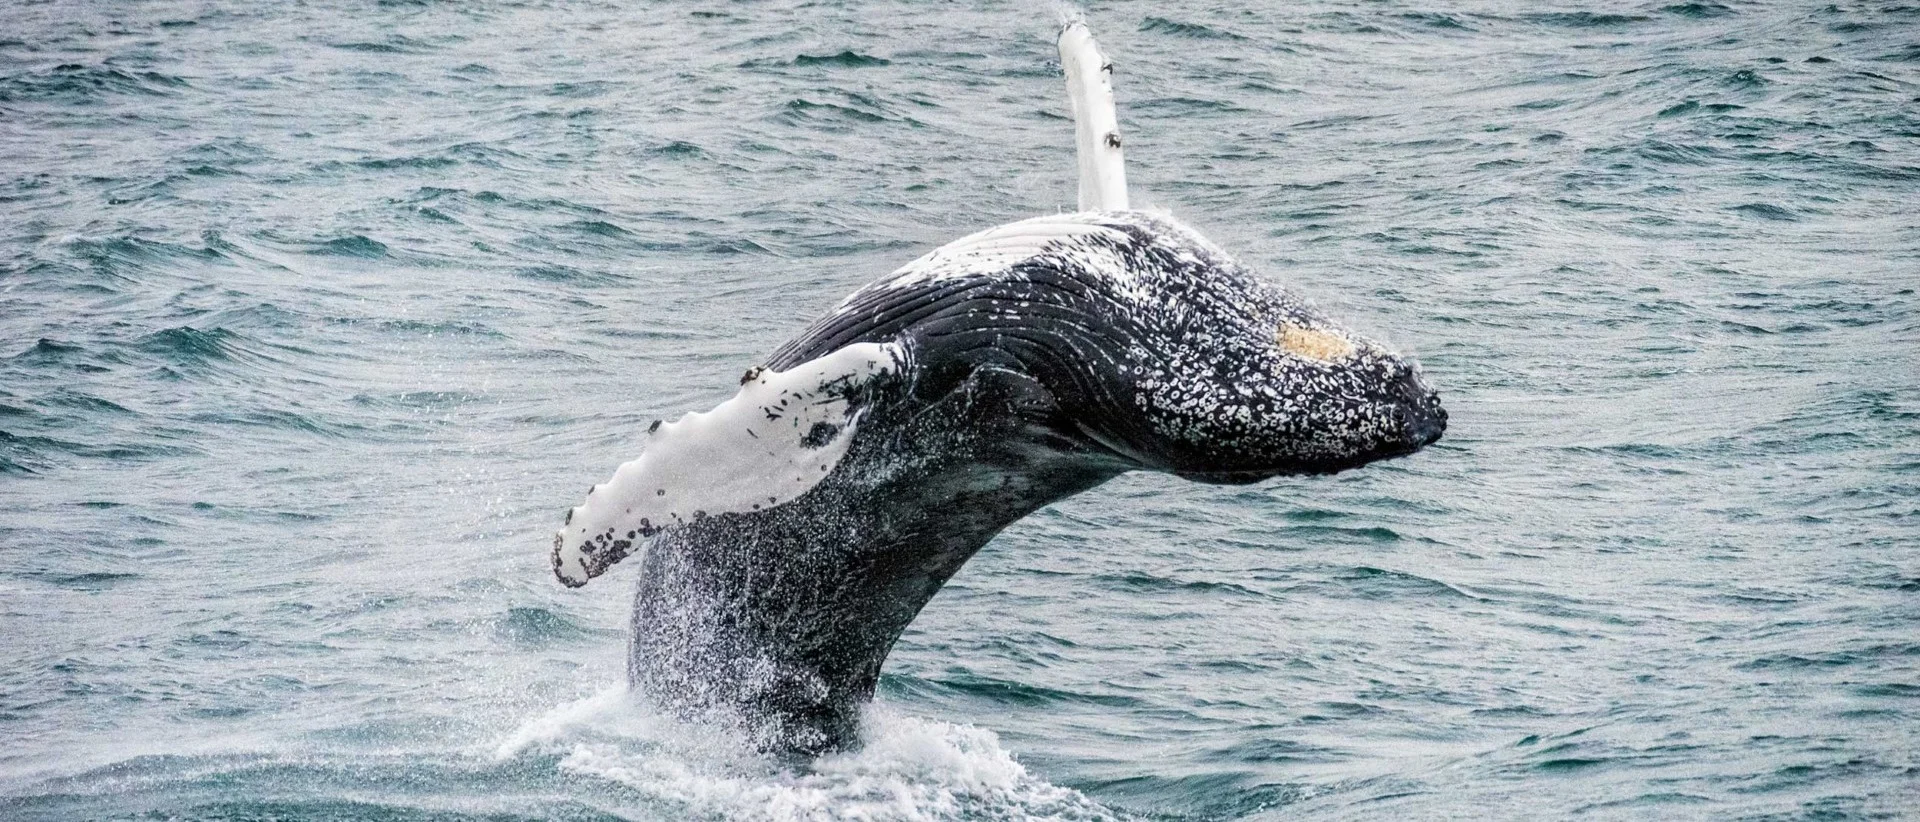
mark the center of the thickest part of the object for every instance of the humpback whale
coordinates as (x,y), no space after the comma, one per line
(786,538)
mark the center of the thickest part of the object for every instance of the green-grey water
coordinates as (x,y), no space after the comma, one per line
(314,318)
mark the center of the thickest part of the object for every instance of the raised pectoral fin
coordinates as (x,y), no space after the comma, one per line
(771,443)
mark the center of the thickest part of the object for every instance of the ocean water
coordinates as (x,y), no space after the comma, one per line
(315,317)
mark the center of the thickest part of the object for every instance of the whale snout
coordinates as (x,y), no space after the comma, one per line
(1422,418)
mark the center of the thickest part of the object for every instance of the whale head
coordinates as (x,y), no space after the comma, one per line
(1139,342)
(1235,379)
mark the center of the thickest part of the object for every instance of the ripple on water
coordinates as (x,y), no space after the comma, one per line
(79,84)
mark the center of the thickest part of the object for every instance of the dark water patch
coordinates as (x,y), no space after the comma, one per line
(434,214)
(1568,763)
(191,346)
(555,273)
(259,315)
(1150,582)
(393,44)
(1891,581)
(1646,802)
(846,58)
(1663,151)
(678,149)
(1379,583)
(1315,515)
(939,55)
(581,90)
(48,352)
(352,245)
(1585,19)
(859,110)
(31,454)
(418,162)
(485,154)
(1268,749)
(1436,20)
(210,171)
(1007,692)
(226,151)
(275,419)
(123,256)
(1376,535)
(428,328)
(73,83)
(1853,769)
(1678,109)
(85,404)
(1698,11)
(1897,690)
(1765,211)
(1335,711)
(1185,106)
(1512,711)
(1834,659)
(598,228)
(84,581)
(1197,31)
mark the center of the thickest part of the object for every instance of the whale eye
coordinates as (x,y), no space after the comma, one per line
(1312,343)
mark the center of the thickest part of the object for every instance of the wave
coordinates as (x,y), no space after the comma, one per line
(77,83)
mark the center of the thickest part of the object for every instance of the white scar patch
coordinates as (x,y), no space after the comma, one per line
(772,442)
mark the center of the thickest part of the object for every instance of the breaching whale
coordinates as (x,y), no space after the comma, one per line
(787,537)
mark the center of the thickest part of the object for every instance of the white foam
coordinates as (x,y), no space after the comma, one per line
(908,769)
(753,452)
(567,719)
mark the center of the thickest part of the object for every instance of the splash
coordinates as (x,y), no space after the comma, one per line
(907,769)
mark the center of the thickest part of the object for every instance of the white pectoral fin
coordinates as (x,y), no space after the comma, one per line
(1096,125)
(771,443)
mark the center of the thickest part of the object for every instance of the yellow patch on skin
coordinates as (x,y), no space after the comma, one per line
(1312,344)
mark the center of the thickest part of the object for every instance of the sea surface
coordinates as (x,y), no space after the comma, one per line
(315,317)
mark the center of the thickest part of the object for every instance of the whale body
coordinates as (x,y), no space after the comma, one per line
(788,537)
